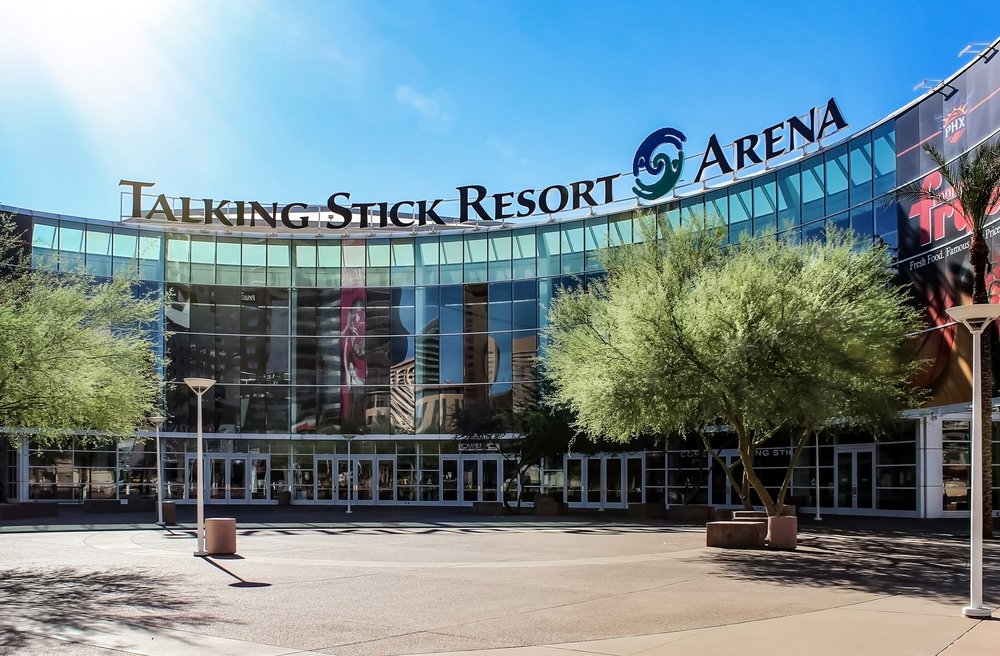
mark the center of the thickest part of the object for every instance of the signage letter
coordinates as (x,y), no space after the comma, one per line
(136,196)
(609,195)
(256,208)
(498,200)
(216,212)
(429,213)
(745,150)
(808,133)
(717,157)
(831,116)
(583,193)
(340,210)
(543,199)
(525,200)
(771,142)
(186,211)
(287,221)
(394,214)
(363,211)
(463,194)
(161,202)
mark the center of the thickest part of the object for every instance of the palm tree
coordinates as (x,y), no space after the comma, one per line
(974,179)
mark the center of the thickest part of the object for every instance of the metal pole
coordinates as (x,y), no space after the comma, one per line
(201,488)
(975,607)
(350,477)
(817,518)
(159,480)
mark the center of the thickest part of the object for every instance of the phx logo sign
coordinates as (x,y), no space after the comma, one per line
(659,164)
(953,122)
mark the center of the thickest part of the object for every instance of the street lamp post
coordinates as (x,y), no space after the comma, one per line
(976,318)
(157,421)
(199,386)
(350,471)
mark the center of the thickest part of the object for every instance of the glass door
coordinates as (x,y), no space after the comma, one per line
(722,490)
(574,481)
(227,479)
(325,480)
(364,480)
(613,496)
(855,478)
(470,480)
(344,481)
(192,479)
(386,480)
(490,479)
(449,480)
(259,474)
(237,479)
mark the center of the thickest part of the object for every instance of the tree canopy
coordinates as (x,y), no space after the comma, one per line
(689,335)
(77,355)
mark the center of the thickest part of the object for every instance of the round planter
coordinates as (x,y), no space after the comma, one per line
(782,532)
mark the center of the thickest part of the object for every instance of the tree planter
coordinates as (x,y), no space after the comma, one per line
(782,532)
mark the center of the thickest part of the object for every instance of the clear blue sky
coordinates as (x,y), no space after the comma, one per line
(292,101)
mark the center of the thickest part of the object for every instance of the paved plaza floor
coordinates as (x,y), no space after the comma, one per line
(407,581)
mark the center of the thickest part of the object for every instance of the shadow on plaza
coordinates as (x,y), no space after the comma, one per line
(65,601)
(927,566)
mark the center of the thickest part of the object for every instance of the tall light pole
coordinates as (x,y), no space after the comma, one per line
(199,386)
(976,318)
(350,470)
(157,421)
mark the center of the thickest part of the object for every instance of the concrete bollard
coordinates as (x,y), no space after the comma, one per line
(220,536)
(169,513)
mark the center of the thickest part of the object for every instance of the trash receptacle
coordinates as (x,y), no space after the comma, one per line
(169,513)
(285,498)
(220,535)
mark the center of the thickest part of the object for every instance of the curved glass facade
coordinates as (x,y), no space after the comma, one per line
(312,336)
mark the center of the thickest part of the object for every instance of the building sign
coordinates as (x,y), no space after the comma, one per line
(747,150)
(655,157)
(478,447)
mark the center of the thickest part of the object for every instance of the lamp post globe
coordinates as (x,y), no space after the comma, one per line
(157,421)
(199,386)
(976,318)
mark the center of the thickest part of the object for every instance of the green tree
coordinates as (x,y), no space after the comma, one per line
(689,335)
(77,356)
(974,181)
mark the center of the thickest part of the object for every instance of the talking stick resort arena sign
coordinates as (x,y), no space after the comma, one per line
(652,160)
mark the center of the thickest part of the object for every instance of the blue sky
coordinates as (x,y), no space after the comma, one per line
(292,101)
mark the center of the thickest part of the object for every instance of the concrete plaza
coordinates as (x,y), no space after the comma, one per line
(401,581)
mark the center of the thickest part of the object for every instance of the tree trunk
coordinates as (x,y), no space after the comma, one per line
(979,256)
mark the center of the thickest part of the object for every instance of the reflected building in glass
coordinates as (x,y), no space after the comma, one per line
(386,333)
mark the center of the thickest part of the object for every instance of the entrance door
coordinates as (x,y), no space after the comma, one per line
(723,493)
(227,479)
(480,479)
(326,480)
(596,482)
(260,473)
(855,478)
(449,480)
(386,480)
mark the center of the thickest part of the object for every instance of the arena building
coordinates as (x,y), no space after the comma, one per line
(382,318)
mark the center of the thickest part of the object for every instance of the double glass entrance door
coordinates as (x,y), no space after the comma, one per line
(363,480)
(596,482)
(230,478)
(855,478)
(467,479)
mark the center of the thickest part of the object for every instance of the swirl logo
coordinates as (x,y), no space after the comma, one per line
(668,170)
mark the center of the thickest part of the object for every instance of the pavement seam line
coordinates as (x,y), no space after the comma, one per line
(955,641)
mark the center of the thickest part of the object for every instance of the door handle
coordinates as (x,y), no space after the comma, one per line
(854,490)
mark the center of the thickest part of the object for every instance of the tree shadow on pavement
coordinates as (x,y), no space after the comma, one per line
(47,602)
(930,567)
